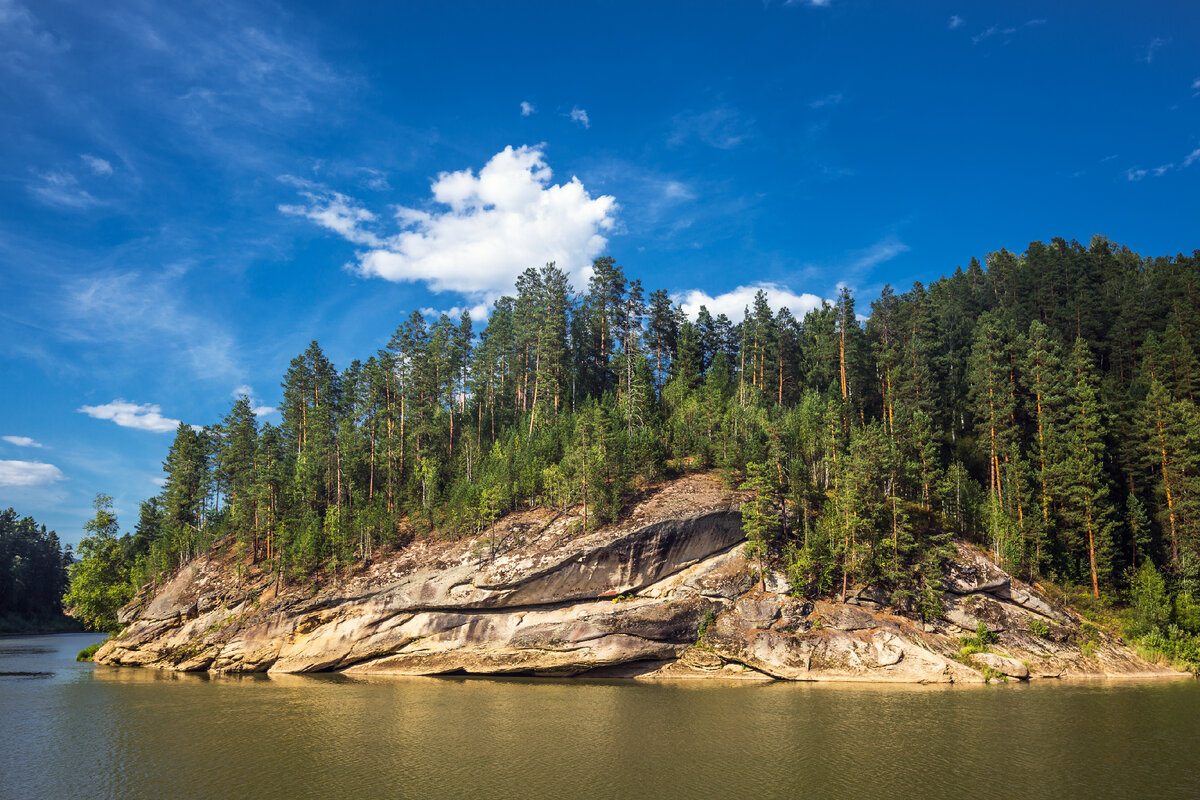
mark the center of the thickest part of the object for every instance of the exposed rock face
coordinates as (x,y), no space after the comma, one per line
(629,600)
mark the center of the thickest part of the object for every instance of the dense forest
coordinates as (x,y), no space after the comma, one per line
(33,576)
(1044,404)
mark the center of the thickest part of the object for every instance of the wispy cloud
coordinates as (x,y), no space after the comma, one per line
(1138,173)
(22,441)
(828,100)
(997,30)
(1156,44)
(147,312)
(955,22)
(722,127)
(61,190)
(333,210)
(144,417)
(1196,88)
(876,254)
(580,116)
(98,166)
(375,179)
(24,36)
(29,473)
(527,108)
(477,231)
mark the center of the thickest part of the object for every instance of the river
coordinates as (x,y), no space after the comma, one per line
(81,731)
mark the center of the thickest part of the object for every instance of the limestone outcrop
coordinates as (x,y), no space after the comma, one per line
(666,593)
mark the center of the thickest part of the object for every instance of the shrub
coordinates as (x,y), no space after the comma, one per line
(1039,628)
(709,619)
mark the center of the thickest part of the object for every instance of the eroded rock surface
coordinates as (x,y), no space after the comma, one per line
(629,600)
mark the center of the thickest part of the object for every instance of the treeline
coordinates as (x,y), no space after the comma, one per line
(1043,403)
(33,575)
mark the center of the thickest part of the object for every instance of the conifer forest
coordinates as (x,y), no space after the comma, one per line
(1043,404)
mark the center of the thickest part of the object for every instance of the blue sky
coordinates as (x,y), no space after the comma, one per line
(191,192)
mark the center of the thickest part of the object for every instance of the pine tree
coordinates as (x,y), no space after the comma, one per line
(760,521)
(1086,509)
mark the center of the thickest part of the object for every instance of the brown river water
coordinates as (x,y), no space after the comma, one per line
(71,730)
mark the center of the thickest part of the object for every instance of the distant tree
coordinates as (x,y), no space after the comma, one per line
(100,577)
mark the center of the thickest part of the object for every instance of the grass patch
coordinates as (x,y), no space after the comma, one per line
(88,652)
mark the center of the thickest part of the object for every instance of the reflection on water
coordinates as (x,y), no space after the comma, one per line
(88,731)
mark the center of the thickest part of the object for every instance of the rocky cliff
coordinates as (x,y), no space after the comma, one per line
(627,600)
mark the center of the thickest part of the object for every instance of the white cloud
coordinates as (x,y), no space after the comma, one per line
(492,226)
(733,303)
(527,108)
(1192,157)
(21,441)
(956,22)
(333,210)
(29,473)
(1159,170)
(1135,174)
(97,165)
(581,116)
(145,417)
(256,406)
(61,190)
(479,312)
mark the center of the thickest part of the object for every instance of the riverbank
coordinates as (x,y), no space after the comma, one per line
(21,626)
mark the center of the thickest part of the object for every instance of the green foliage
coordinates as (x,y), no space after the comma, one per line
(992,674)
(33,574)
(86,653)
(979,643)
(1039,628)
(100,577)
(705,624)
(1150,605)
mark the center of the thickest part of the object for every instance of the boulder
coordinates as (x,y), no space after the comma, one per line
(1006,666)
